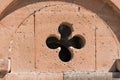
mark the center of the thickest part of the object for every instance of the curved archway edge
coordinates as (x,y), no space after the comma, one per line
(105,9)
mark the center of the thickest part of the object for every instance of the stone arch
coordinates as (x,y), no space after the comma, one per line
(104,10)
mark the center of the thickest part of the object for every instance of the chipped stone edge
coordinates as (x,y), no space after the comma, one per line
(4,67)
(111,3)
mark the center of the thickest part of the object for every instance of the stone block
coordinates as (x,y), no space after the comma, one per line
(47,25)
(50,76)
(22,47)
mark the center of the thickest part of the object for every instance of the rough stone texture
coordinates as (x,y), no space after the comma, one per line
(33,76)
(90,76)
(21,76)
(118,64)
(4,4)
(8,28)
(18,32)
(4,42)
(116,3)
(22,47)
(4,67)
(50,76)
(25,26)
(106,47)
(49,26)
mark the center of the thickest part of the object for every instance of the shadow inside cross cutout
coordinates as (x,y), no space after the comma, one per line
(64,43)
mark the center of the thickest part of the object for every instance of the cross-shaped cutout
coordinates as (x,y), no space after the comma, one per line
(64,43)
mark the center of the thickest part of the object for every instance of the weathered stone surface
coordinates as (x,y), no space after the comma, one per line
(118,64)
(91,76)
(4,67)
(4,4)
(21,76)
(14,20)
(33,76)
(4,41)
(47,25)
(25,26)
(22,47)
(50,76)
(106,48)
(116,3)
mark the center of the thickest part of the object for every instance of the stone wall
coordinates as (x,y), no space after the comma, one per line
(59,39)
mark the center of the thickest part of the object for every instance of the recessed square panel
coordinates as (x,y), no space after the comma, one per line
(71,42)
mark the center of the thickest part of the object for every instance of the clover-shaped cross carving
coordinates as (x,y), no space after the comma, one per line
(64,43)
